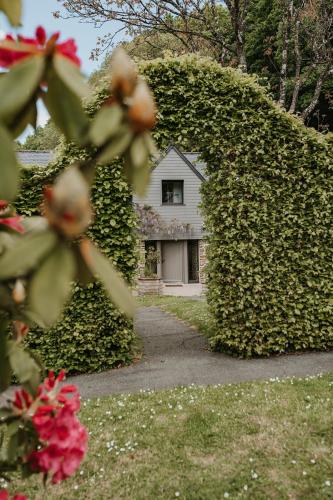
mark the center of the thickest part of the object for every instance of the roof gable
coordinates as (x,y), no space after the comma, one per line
(183,158)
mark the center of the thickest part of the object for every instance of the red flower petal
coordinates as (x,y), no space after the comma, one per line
(41,35)
(68,388)
(13,223)
(68,49)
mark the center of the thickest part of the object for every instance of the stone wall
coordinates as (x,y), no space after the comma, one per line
(141,260)
(150,286)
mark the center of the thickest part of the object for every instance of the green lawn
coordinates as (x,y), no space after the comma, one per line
(193,312)
(254,440)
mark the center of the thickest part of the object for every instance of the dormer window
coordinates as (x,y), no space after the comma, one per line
(172,192)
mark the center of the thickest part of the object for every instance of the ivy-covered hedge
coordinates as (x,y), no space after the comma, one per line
(268,213)
(267,205)
(92,335)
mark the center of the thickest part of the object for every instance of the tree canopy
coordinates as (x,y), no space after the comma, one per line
(288,43)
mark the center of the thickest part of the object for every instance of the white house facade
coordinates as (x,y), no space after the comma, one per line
(174,194)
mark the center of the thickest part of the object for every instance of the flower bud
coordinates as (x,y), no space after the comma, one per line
(18,292)
(21,329)
(4,208)
(142,110)
(67,204)
(124,73)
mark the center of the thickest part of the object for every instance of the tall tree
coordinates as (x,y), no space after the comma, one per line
(290,43)
(191,22)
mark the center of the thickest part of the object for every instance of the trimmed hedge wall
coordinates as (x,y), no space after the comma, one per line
(267,206)
(268,213)
(92,335)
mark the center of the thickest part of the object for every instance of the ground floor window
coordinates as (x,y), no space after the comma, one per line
(193,261)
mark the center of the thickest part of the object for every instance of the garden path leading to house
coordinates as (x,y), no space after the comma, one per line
(176,354)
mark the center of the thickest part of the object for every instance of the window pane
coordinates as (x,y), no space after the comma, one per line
(172,192)
(167,193)
(178,192)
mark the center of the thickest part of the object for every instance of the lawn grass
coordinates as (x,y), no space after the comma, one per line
(252,440)
(193,312)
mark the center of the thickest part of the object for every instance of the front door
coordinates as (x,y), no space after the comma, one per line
(172,261)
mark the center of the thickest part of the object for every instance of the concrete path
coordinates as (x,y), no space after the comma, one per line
(175,354)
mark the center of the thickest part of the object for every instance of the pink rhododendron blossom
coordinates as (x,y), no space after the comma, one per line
(13,50)
(5,496)
(62,437)
(7,218)
(13,223)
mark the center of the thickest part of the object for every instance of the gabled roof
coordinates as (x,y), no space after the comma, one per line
(196,167)
(41,158)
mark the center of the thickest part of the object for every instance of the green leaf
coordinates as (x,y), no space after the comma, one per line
(25,367)
(50,286)
(83,273)
(65,109)
(13,10)
(119,144)
(140,179)
(28,251)
(105,124)
(139,153)
(112,281)
(29,72)
(150,144)
(9,172)
(13,449)
(70,74)
(138,169)
(28,116)
(5,373)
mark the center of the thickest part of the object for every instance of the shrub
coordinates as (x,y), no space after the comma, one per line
(267,206)
(92,335)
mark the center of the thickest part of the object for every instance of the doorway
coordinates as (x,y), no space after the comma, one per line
(173,261)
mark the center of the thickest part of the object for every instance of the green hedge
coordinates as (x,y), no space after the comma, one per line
(267,205)
(92,335)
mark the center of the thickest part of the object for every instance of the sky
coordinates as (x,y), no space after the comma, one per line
(39,12)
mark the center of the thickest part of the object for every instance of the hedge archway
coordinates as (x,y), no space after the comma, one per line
(267,206)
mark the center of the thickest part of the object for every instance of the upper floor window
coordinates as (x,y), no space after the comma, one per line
(172,192)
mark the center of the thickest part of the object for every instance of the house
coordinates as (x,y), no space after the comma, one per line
(174,194)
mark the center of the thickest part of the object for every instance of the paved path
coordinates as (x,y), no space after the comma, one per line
(175,354)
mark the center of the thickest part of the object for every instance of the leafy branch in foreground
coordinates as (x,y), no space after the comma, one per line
(40,257)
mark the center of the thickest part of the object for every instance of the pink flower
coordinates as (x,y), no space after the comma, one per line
(5,496)
(13,50)
(22,400)
(62,437)
(7,219)
(13,223)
